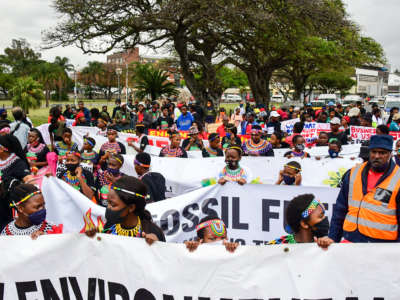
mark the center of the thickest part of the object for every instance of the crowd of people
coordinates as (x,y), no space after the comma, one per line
(366,208)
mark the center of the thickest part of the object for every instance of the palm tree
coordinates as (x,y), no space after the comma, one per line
(152,81)
(48,74)
(90,76)
(27,93)
(66,66)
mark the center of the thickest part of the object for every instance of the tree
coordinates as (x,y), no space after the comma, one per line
(90,75)
(27,93)
(152,82)
(62,83)
(232,78)
(108,80)
(48,75)
(20,58)
(330,82)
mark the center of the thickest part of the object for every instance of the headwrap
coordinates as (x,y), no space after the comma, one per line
(25,198)
(309,210)
(216,226)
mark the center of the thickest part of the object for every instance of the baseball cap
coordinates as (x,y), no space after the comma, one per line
(335,121)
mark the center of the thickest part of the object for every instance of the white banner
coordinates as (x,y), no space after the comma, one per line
(184,175)
(253,214)
(118,268)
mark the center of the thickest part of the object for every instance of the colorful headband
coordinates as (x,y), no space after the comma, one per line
(236,147)
(128,192)
(140,125)
(293,167)
(73,153)
(213,138)
(217,227)
(140,164)
(117,159)
(309,210)
(89,142)
(255,131)
(25,198)
(111,130)
(5,130)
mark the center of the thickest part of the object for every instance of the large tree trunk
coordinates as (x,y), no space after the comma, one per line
(259,85)
(47,97)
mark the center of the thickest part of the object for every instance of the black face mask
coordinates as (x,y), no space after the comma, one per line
(72,167)
(114,216)
(232,164)
(321,229)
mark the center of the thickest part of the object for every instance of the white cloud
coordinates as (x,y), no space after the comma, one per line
(28,18)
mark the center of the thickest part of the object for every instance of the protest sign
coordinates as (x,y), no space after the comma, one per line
(74,266)
(253,214)
(360,133)
(184,175)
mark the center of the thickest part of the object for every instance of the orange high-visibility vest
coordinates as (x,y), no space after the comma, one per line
(367,213)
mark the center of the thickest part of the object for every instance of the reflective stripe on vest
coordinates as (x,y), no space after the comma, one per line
(372,217)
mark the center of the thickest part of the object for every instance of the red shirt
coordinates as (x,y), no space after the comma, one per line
(60,118)
(140,117)
(373,179)
(221,131)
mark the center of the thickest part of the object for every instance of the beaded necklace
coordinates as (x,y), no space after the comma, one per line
(233,175)
(298,154)
(88,155)
(212,152)
(134,232)
(4,164)
(72,180)
(39,148)
(111,147)
(256,147)
(169,152)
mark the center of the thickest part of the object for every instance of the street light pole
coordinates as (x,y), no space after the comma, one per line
(119,72)
(75,88)
(126,84)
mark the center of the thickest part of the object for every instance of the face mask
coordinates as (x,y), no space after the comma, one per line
(114,172)
(241,105)
(288,180)
(114,216)
(71,167)
(37,217)
(321,229)
(300,147)
(232,164)
(333,154)
(228,135)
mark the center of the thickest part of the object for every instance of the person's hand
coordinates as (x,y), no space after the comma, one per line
(130,143)
(91,232)
(36,234)
(230,247)
(150,238)
(297,178)
(192,245)
(323,242)
(78,172)
(280,179)
(222,181)
(318,157)
(242,181)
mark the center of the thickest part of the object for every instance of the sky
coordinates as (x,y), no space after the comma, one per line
(28,18)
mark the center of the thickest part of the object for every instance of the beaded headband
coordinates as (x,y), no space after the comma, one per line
(217,227)
(237,148)
(73,153)
(111,130)
(309,210)
(117,159)
(293,167)
(213,138)
(140,125)
(25,199)
(128,192)
(255,131)
(89,142)
(140,164)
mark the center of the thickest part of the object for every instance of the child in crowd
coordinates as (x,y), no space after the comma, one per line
(322,139)
(291,174)
(143,141)
(335,146)
(108,176)
(210,230)
(62,147)
(214,148)
(174,149)
(90,158)
(102,126)
(307,221)
(298,148)
(232,171)
(154,181)
(36,150)
(111,147)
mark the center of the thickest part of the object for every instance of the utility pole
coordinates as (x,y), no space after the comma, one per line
(126,84)
(75,89)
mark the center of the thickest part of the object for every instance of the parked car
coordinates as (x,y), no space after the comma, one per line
(390,102)
(351,99)
(231,98)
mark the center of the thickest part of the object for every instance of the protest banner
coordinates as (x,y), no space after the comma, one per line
(185,175)
(287,126)
(311,129)
(253,214)
(71,266)
(360,133)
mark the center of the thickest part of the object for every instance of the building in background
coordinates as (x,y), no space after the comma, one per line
(372,81)
(124,57)
(394,84)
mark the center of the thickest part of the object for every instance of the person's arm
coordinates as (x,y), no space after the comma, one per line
(340,211)
(86,189)
(144,143)
(280,178)
(205,153)
(184,154)
(123,149)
